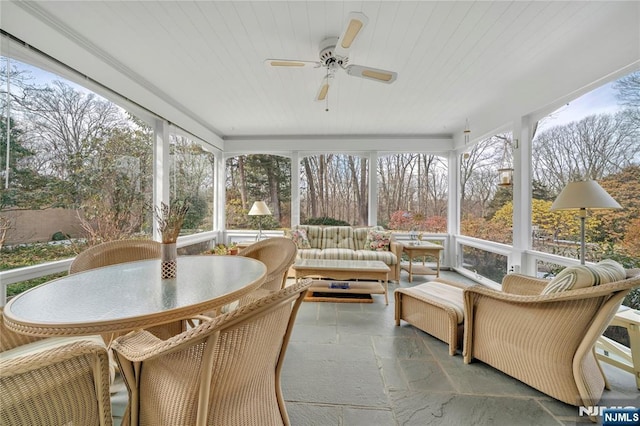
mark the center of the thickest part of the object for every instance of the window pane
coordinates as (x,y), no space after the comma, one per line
(334,190)
(413,192)
(487,207)
(258,177)
(484,263)
(593,137)
(74,151)
(192,180)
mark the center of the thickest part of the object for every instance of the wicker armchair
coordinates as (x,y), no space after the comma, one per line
(223,372)
(113,252)
(60,380)
(545,341)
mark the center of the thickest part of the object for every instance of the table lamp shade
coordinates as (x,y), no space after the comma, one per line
(259,208)
(584,195)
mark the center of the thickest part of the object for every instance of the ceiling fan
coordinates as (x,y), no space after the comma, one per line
(334,55)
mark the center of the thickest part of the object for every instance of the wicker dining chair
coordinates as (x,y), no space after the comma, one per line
(544,340)
(114,252)
(121,251)
(54,381)
(278,254)
(225,371)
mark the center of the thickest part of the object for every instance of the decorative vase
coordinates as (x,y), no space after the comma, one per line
(168,260)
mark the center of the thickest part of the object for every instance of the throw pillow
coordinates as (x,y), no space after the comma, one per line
(378,240)
(299,236)
(575,277)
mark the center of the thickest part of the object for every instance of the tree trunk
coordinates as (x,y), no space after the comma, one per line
(273,191)
(242,182)
(312,196)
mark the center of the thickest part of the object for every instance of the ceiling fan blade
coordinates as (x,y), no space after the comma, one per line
(383,76)
(323,90)
(355,23)
(291,63)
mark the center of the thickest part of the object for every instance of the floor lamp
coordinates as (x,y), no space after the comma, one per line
(259,208)
(581,196)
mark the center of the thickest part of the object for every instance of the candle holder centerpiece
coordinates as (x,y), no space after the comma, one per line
(170,219)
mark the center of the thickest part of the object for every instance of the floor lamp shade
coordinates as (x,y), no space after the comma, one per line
(259,208)
(581,196)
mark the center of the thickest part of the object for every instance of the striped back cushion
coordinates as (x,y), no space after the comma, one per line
(337,237)
(575,277)
(360,236)
(314,234)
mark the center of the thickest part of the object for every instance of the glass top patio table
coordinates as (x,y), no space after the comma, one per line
(132,295)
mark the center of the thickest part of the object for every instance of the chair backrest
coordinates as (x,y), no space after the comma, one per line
(113,252)
(224,371)
(60,380)
(278,254)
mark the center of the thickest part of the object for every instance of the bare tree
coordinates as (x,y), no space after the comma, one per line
(395,173)
(477,173)
(629,90)
(592,148)
(66,128)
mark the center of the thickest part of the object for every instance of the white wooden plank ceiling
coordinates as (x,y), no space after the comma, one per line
(487,61)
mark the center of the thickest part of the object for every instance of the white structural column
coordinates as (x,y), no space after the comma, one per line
(522,230)
(295,188)
(453,208)
(373,188)
(161,167)
(220,216)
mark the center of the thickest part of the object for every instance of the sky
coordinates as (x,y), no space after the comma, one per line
(598,101)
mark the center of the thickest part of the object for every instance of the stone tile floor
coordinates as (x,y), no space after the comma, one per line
(347,364)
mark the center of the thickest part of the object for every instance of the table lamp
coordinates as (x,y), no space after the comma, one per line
(259,208)
(581,196)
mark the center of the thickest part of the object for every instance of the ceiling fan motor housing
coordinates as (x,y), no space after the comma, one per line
(327,55)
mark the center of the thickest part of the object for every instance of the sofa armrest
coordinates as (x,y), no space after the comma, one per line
(396,248)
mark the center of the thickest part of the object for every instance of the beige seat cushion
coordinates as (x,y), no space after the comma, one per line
(443,294)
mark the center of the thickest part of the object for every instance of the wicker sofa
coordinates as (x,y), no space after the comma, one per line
(348,243)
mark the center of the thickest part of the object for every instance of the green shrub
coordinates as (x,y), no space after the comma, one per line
(326,221)
(59,236)
(17,288)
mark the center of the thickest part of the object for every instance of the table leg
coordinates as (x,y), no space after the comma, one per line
(386,292)
(410,269)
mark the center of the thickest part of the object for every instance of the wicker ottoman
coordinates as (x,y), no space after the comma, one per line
(436,307)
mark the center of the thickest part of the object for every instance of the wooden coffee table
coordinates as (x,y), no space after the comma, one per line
(421,249)
(346,270)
